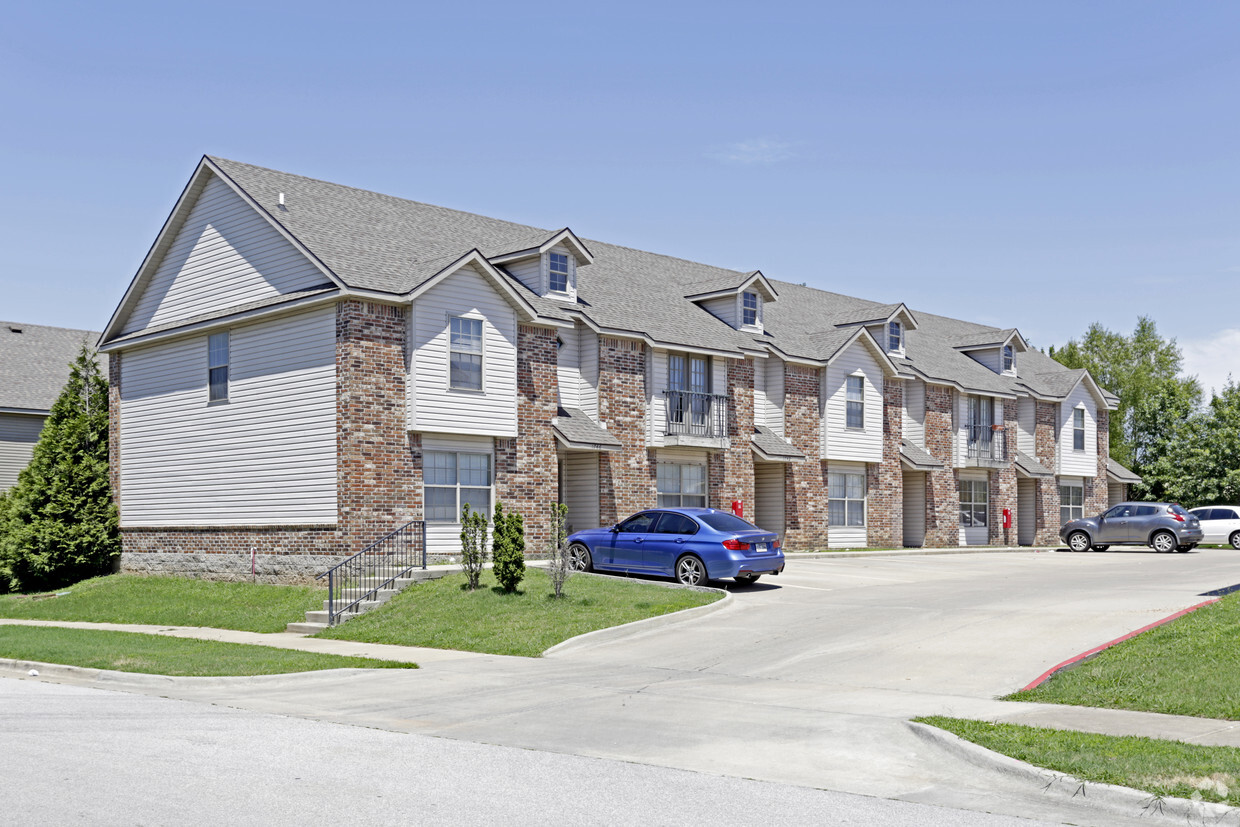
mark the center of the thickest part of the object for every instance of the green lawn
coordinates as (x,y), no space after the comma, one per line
(441,614)
(1190,666)
(158,655)
(1165,768)
(170,601)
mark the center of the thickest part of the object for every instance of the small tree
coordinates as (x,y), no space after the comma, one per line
(59,523)
(473,544)
(559,570)
(508,548)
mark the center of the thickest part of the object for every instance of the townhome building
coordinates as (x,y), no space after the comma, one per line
(300,367)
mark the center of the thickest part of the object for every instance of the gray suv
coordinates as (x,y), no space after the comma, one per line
(1162,526)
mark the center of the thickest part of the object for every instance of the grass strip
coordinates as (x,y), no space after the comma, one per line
(170,601)
(1163,768)
(443,614)
(159,655)
(1190,666)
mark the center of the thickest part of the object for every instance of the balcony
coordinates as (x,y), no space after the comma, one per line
(987,446)
(696,419)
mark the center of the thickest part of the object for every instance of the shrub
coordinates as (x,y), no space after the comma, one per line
(559,569)
(473,544)
(508,548)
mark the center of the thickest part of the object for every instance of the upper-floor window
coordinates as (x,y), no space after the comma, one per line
(749,309)
(465,353)
(855,402)
(686,372)
(217,367)
(557,266)
(1078,429)
(451,479)
(1009,359)
(895,337)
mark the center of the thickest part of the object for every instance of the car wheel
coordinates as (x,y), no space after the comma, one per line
(690,571)
(1163,542)
(746,579)
(1079,541)
(1234,539)
(1101,548)
(579,558)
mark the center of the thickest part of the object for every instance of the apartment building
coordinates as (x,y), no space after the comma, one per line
(299,367)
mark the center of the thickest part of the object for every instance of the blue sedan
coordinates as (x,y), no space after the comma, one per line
(692,545)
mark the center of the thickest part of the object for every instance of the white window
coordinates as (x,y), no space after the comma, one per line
(749,309)
(895,337)
(681,485)
(1071,501)
(451,479)
(465,353)
(557,267)
(855,402)
(1009,359)
(845,499)
(217,367)
(1078,429)
(974,500)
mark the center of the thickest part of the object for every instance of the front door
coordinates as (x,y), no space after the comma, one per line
(668,541)
(627,547)
(1115,525)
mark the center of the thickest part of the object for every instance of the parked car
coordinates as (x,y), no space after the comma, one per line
(692,545)
(1162,526)
(1219,523)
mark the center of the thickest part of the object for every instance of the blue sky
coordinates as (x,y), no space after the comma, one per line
(1041,166)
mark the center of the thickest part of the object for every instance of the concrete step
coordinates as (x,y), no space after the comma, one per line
(305,628)
(316,621)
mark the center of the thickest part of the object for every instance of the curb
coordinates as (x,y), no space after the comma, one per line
(1119,800)
(914,552)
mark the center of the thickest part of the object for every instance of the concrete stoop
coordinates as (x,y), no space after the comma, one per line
(316,620)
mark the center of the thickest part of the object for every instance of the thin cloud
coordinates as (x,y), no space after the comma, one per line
(761,151)
(1213,359)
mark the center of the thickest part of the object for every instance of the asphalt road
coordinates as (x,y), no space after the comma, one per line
(805,680)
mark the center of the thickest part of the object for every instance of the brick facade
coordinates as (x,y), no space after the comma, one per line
(1003,484)
(942,484)
(1047,492)
(805,483)
(730,471)
(1097,497)
(626,477)
(885,480)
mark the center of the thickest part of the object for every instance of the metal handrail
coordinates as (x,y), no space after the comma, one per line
(374,568)
(696,414)
(987,442)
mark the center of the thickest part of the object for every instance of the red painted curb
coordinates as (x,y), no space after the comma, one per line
(1070,661)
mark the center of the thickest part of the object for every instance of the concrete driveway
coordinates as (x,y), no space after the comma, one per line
(808,678)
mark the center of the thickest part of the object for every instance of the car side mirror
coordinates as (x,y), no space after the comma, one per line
(615,529)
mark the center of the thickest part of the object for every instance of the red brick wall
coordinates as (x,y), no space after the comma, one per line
(731,470)
(1096,496)
(626,476)
(942,487)
(1003,483)
(1045,422)
(885,480)
(805,483)
(526,469)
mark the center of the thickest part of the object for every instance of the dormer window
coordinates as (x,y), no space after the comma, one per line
(895,337)
(557,266)
(1009,359)
(749,309)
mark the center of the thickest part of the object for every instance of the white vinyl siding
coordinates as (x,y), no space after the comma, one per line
(436,407)
(656,402)
(913,502)
(588,350)
(445,537)
(990,357)
(568,367)
(1026,512)
(225,254)
(914,415)
(839,441)
(768,393)
(18,435)
(1072,462)
(268,457)
(528,272)
(769,496)
(1115,493)
(581,490)
(1026,426)
(723,308)
(974,509)
(846,505)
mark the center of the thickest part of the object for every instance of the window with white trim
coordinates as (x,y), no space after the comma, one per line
(452,478)
(217,367)
(1071,501)
(974,502)
(1009,359)
(854,402)
(749,309)
(895,337)
(845,499)
(465,353)
(1078,429)
(681,485)
(557,271)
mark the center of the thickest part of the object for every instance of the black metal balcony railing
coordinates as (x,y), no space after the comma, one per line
(696,414)
(987,443)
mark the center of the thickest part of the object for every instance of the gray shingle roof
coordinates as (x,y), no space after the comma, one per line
(34,363)
(1030,467)
(773,445)
(917,458)
(578,429)
(1119,473)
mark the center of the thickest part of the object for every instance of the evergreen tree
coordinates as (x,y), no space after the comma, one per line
(508,548)
(58,525)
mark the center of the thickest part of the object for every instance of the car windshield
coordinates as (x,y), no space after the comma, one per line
(722,521)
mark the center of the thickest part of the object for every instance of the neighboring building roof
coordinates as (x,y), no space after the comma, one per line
(34,363)
(1119,473)
(1030,467)
(916,458)
(576,430)
(771,445)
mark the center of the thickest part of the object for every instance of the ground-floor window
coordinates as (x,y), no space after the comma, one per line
(451,479)
(974,501)
(845,499)
(681,485)
(1071,501)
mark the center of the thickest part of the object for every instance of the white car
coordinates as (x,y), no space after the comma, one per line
(1219,523)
